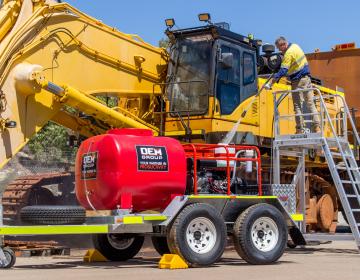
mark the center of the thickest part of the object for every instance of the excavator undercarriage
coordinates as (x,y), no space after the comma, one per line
(39,189)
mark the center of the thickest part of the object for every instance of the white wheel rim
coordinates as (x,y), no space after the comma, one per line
(7,259)
(201,235)
(264,234)
(120,243)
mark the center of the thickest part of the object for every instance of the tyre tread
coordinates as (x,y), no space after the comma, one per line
(53,215)
(160,244)
(102,244)
(239,231)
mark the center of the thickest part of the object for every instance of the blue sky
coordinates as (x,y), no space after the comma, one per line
(312,24)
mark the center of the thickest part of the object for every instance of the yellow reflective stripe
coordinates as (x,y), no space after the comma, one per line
(155,218)
(294,59)
(286,62)
(299,62)
(234,196)
(297,217)
(257,197)
(30,230)
(133,220)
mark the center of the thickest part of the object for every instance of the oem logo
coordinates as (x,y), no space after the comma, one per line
(152,158)
(89,159)
(89,166)
(150,151)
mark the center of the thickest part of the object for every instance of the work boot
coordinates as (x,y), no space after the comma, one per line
(317,129)
(299,131)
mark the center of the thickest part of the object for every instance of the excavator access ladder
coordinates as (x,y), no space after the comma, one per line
(331,144)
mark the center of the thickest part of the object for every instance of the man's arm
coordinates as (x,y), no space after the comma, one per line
(282,72)
(284,68)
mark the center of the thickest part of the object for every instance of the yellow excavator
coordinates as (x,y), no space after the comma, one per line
(55,61)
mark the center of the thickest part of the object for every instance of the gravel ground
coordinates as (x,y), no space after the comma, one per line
(338,260)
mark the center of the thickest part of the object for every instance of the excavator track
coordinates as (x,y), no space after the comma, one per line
(27,190)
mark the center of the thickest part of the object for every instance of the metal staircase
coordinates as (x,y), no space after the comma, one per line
(348,189)
(332,142)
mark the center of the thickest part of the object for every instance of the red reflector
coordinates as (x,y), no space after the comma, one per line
(346,46)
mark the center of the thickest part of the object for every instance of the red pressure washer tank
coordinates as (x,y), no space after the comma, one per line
(129,161)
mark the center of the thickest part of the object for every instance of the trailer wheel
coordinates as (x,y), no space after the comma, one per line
(160,244)
(118,247)
(198,234)
(260,234)
(290,244)
(10,258)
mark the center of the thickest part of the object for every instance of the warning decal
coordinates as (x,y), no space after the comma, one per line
(152,158)
(89,166)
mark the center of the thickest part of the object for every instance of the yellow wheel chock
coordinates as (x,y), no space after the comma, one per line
(93,255)
(172,261)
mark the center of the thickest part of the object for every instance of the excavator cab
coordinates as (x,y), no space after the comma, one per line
(211,72)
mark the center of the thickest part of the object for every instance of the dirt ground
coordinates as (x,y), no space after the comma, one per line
(338,260)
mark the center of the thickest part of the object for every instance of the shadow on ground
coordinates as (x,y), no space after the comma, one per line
(312,250)
(137,262)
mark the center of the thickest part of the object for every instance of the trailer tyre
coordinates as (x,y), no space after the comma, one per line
(198,235)
(291,245)
(160,244)
(53,215)
(118,247)
(260,234)
(10,258)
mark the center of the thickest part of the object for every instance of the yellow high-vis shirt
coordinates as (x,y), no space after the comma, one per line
(294,59)
(294,64)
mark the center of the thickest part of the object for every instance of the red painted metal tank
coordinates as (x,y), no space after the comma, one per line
(129,161)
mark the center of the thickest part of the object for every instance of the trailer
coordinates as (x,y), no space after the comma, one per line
(194,225)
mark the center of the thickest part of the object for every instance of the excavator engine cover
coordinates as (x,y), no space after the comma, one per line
(129,162)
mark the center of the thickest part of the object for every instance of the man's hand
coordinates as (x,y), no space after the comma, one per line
(268,85)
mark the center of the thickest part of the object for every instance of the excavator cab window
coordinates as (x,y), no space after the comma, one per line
(228,82)
(190,78)
(237,83)
(249,68)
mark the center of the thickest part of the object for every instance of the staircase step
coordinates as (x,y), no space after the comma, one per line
(344,168)
(340,155)
(341,141)
(350,182)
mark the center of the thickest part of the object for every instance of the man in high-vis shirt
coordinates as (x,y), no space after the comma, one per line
(296,68)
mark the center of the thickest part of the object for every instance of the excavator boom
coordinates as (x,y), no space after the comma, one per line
(81,56)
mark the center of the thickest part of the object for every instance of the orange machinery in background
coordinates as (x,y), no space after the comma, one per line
(340,68)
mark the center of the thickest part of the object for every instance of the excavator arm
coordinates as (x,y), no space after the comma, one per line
(55,60)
